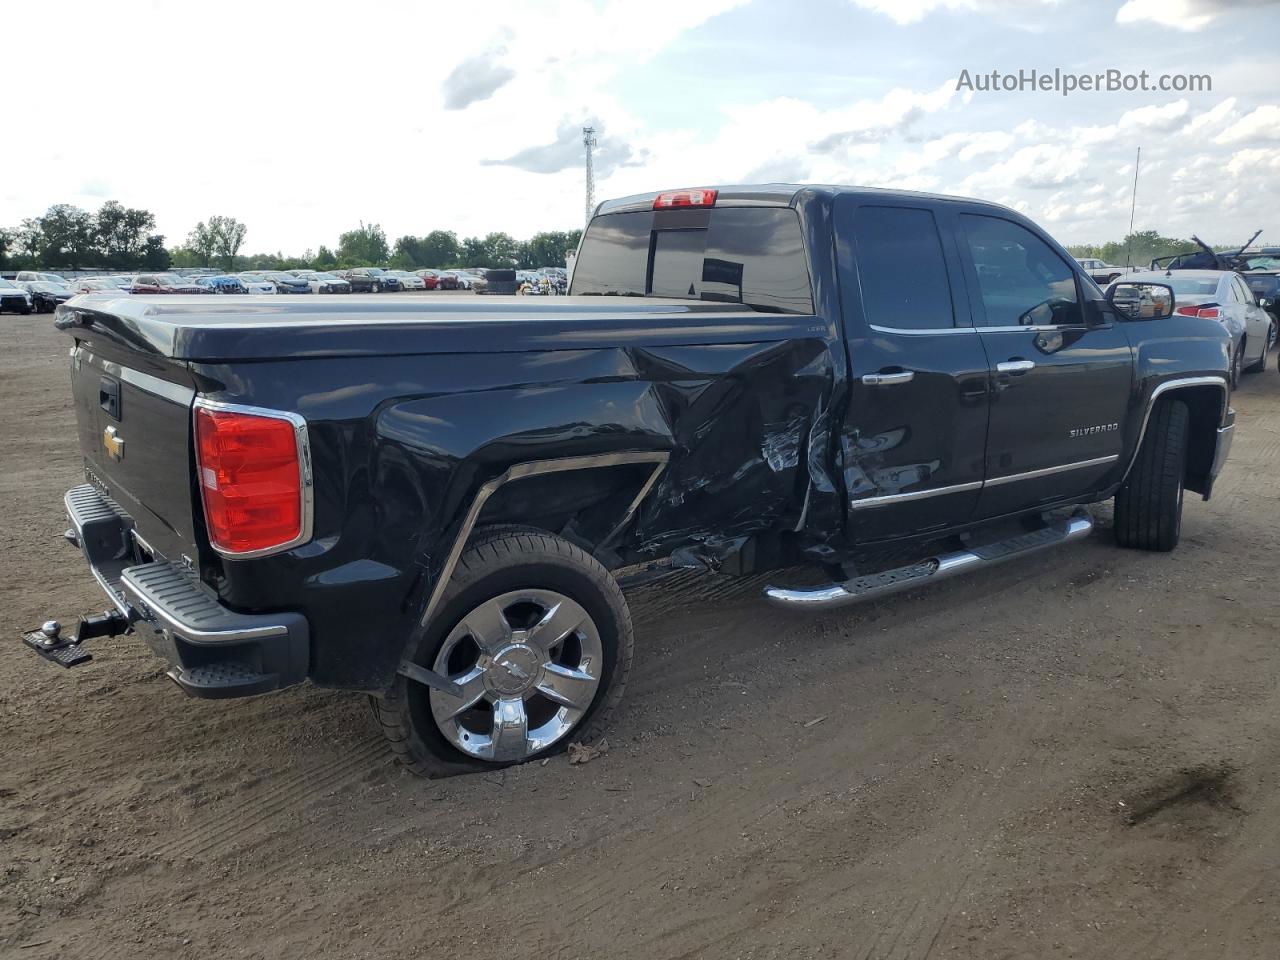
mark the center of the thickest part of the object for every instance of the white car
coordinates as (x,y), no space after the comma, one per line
(408,281)
(465,280)
(1224,296)
(256,283)
(322,282)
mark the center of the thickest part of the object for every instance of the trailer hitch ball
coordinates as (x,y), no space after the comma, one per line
(52,630)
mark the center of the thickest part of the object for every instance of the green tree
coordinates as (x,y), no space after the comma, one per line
(325,259)
(67,236)
(8,240)
(202,242)
(364,246)
(440,248)
(228,237)
(154,254)
(121,234)
(548,249)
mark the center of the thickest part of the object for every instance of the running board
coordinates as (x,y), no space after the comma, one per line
(933,569)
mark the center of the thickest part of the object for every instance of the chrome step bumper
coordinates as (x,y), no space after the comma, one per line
(932,569)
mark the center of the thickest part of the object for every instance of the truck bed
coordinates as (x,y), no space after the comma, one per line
(202,328)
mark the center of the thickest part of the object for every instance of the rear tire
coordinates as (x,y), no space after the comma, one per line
(1237,365)
(521,573)
(1148,511)
(1261,363)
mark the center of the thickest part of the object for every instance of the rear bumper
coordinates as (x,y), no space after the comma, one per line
(213,652)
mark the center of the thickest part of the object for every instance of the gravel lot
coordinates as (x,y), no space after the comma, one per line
(1078,756)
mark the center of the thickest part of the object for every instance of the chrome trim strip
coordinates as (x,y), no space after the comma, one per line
(1050,471)
(536,468)
(1039,328)
(1168,385)
(306,477)
(174,392)
(892,498)
(927,332)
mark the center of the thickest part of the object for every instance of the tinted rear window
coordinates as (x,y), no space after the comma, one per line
(748,255)
(901,269)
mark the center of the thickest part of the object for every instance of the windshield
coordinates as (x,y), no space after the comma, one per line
(1263,263)
(7,285)
(172,280)
(1191,286)
(749,255)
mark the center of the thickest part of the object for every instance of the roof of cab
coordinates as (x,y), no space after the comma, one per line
(779,195)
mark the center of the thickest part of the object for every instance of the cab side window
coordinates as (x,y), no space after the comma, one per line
(902,271)
(1023,282)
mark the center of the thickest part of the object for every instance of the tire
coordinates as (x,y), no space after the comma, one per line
(1261,363)
(510,576)
(1148,513)
(1237,364)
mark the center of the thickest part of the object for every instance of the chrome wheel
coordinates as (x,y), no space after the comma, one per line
(529,664)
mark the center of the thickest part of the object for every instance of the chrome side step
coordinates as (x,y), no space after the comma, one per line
(933,569)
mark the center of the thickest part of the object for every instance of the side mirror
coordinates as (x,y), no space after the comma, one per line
(1141,301)
(1264,302)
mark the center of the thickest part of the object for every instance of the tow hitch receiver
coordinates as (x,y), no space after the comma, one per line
(51,644)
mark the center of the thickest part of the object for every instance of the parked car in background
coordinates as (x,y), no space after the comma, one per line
(1224,296)
(13,298)
(430,278)
(480,284)
(1103,273)
(462,279)
(321,282)
(223,284)
(153,283)
(115,285)
(255,283)
(46,296)
(369,280)
(287,282)
(27,276)
(407,280)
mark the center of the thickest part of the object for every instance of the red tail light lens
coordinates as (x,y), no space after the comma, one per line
(254,480)
(685,198)
(1213,313)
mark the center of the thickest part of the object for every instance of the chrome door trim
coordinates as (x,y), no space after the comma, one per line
(1050,471)
(1015,366)
(893,498)
(926,332)
(1167,386)
(533,468)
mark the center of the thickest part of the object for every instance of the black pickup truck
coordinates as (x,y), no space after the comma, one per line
(433,501)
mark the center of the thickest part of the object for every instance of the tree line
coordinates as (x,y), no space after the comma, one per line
(1137,249)
(123,238)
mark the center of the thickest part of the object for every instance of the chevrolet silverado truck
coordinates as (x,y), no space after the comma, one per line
(435,501)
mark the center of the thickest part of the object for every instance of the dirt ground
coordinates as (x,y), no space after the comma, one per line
(1077,756)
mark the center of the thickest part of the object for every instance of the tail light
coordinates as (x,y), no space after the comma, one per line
(254,471)
(685,198)
(1212,312)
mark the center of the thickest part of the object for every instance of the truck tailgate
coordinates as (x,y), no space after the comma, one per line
(133,414)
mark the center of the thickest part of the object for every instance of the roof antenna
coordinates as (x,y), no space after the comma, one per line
(1128,253)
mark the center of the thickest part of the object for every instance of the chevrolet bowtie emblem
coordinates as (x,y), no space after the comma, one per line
(113,443)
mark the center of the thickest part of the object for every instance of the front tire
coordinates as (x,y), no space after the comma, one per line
(1148,513)
(538,636)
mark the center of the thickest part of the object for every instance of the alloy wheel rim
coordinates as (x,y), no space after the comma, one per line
(529,665)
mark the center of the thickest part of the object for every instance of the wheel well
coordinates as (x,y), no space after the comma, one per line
(583,506)
(1204,404)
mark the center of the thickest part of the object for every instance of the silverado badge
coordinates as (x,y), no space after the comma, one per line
(113,443)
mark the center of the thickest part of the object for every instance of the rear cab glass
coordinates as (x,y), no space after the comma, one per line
(749,255)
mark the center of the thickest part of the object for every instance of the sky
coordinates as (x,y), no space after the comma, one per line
(305,120)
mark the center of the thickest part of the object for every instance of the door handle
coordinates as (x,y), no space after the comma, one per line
(888,379)
(1015,367)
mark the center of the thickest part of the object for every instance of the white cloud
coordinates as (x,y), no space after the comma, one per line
(1166,117)
(1186,15)
(912,11)
(1261,124)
